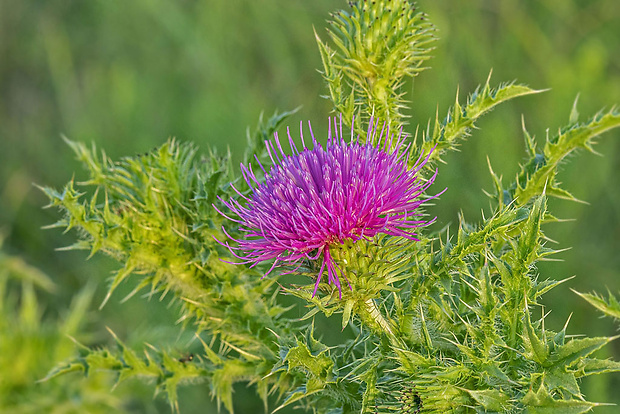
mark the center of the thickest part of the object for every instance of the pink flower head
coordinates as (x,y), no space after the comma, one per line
(317,198)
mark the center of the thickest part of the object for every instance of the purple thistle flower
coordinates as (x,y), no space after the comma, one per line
(317,198)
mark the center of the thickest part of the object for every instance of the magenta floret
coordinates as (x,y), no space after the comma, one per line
(319,197)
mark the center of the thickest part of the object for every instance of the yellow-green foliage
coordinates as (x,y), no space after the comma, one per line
(445,324)
(31,344)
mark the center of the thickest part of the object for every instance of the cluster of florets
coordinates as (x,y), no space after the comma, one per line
(319,197)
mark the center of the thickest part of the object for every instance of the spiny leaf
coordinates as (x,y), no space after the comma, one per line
(541,402)
(319,366)
(297,395)
(528,242)
(461,119)
(469,241)
(540,170)
(537,348)
(225,376)
(576,349)
(610,307)
(168,372)
(491,400)
(264,131)
(594,366)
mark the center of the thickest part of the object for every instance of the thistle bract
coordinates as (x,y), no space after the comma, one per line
(316,198)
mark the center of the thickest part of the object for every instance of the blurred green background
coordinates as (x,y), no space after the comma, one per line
(128,75)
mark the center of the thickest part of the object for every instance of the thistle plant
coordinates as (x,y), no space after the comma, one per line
(442,320)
